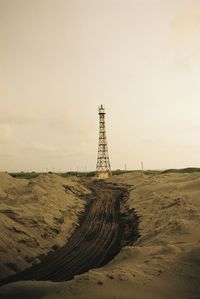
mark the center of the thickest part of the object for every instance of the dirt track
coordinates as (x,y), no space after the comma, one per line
(102,233)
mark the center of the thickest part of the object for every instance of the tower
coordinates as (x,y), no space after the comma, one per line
(103,163)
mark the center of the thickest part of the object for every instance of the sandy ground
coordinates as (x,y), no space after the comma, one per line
(36,216)
(164,263)
(103,231)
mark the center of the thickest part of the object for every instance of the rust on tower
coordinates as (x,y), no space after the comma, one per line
(103,162)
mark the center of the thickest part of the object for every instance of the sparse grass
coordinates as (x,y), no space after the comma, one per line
(183,170)
(24,175)
(152,172)
(78,173)
(31,175)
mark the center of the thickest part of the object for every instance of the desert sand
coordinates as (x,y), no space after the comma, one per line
(36,216)
(164,263)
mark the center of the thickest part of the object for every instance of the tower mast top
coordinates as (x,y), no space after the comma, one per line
(102,109)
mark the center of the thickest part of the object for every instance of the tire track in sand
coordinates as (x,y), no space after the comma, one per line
(93,244)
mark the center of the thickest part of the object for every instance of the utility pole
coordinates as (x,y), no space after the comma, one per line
(142,169)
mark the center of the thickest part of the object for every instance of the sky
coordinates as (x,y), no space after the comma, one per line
(61,59)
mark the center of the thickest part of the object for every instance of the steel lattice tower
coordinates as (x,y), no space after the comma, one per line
(103,163)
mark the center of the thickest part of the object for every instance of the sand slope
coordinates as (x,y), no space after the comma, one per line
(36,216)
(165,261)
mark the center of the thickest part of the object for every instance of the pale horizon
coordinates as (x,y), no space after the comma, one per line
(59,60)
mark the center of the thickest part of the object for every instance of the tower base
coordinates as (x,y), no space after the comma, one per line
(102,175)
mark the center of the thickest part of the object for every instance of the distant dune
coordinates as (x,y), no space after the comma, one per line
(164,263)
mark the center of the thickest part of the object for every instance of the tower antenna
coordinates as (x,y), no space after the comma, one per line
(103,162)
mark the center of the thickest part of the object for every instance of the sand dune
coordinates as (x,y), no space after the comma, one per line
(164,263)
(36,216)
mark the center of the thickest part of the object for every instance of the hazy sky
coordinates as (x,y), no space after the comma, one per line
(60,59)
